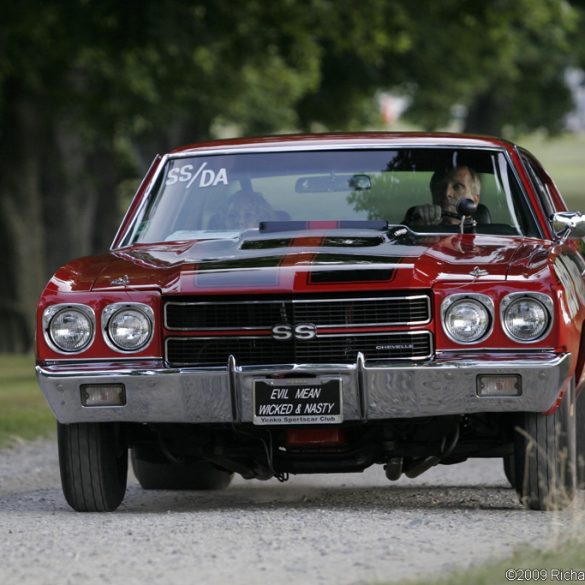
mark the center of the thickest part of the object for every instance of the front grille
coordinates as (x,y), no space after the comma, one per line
(182,351)
(346,314)
(195,315)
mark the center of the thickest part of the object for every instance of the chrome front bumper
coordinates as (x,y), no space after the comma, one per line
(446,385)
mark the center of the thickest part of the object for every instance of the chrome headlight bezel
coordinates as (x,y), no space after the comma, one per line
(49,315)
(541,299)
(483,301)
(115,309)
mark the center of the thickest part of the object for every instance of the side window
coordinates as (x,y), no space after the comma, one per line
(540,186)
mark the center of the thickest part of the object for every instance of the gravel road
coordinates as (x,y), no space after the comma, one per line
(335,529)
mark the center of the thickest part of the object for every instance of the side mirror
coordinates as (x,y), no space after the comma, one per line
(568,224)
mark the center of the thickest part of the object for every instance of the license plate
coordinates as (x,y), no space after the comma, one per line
(297,402)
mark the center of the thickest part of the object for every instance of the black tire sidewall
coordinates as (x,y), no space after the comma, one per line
(93,462)
(545,456)
(153,474)
(510,469)
(580,423)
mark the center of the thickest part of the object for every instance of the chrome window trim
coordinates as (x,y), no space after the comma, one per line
(118,234)
(524,154)
(335,144)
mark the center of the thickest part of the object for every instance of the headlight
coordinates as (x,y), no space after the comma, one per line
(467,318)
(127,326)
(69,328)
(526,318)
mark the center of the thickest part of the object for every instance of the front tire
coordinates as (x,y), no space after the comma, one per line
(545,457)
(166,475)
(93,460)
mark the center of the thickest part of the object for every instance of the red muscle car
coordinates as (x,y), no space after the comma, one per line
(323,303)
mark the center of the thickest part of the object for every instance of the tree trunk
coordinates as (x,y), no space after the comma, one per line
(21,208)
(70,196)
(108,213)
(484,115)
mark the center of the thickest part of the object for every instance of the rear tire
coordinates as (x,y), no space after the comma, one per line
(545,457)
(93,460)
(166,475)
(509,469)
(581,440)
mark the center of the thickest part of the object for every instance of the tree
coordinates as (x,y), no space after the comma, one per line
(81,83)
(502,63)
(506,67)
(90,91)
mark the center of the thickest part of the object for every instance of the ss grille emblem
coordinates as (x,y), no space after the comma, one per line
(301,331)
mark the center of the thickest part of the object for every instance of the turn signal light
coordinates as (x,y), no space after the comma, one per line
(495,385)
(103,395)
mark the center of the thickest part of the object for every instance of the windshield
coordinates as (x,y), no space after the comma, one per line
(220,196)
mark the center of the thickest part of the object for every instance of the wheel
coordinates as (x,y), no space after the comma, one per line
(165,475)
(509,469)
(581,440)
(545,457)
(93,460)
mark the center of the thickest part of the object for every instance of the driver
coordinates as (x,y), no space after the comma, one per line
(448,187)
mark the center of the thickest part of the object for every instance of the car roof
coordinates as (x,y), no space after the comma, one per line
(347,140)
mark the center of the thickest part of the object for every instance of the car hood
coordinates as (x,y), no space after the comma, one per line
(300,262)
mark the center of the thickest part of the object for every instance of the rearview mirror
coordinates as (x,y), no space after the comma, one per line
(360,182)
(333,183)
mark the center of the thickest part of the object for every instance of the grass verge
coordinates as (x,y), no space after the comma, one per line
(528,565)
(24,414)
(564,159)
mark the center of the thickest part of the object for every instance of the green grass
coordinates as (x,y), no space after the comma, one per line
(527,563)
(564,159)
(24,414)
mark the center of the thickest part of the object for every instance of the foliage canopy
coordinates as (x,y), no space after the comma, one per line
(89,91)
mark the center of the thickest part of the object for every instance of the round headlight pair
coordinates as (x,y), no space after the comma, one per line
(127,326)
(526,318)
(71,328)
(467,318)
